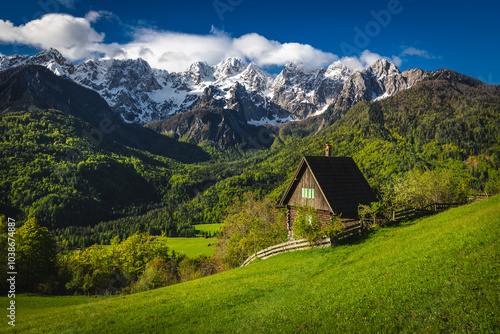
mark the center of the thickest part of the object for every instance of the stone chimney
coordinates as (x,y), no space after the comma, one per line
(328,150)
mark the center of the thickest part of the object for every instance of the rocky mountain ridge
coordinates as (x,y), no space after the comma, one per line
(141,94)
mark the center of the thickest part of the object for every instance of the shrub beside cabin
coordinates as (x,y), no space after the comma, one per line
(331,185)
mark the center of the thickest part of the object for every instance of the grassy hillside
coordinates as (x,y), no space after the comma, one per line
(436,274)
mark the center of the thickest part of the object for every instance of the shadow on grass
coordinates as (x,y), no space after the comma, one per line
(371,232)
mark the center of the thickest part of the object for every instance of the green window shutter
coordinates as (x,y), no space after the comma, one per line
(307,193)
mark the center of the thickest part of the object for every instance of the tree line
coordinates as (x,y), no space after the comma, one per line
(138,263)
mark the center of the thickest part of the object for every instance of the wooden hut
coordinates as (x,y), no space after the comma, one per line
(331,185)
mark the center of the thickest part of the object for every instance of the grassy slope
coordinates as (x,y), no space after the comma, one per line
(436,274)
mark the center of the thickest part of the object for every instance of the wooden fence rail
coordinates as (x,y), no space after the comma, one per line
(478,197)
(352,227)
(288,246)
(429,209)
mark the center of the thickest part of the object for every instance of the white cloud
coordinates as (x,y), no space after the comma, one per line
(411,51)
(73,36)
(265,52)
(93,16)
(397,60)
(366,59)
(176,51)
(216,31)
(76,39)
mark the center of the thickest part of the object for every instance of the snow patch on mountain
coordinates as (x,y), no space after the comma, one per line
(267,121)
(321,111)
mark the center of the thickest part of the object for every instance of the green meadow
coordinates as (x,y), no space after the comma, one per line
(212,228)
(192,246)
(431,275)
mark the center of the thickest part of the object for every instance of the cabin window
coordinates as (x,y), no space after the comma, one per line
(307,193)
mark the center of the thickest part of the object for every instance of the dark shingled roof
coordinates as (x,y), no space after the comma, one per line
(340,180)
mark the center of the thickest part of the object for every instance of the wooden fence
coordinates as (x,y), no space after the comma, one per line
(431,208)
(288,246)
(353,227)
(472,199)
(412,213)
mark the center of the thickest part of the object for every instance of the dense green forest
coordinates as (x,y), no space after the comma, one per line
(110,189)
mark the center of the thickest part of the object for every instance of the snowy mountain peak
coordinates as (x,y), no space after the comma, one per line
(138,64)
(54,60)
(50,53)
(338,71)
(201,71)
(253,68)
(115,73)
(384,67)
(291,68)
(255,78)
(141,94)
(228,67)
(290,74)
(50,58)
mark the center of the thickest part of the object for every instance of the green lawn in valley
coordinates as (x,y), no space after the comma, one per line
(212,228)
(192,246)
(432,275)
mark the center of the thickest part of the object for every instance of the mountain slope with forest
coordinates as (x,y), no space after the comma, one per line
(448,123)
(388,138)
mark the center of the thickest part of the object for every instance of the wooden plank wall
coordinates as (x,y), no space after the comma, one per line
(307,181)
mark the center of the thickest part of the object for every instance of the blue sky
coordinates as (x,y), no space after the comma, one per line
(460,35)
